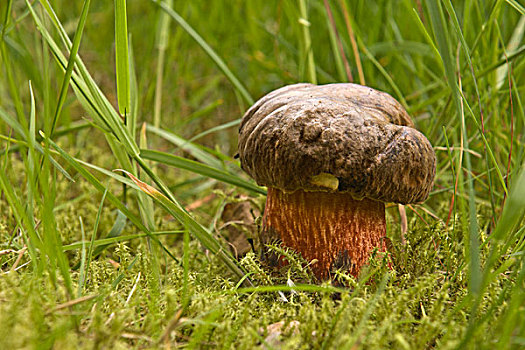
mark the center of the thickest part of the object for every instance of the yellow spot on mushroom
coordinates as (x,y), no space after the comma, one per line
(325,180)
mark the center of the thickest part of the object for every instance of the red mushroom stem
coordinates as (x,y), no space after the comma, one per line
(333,228)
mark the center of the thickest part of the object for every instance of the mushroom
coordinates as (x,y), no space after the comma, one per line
(331,156)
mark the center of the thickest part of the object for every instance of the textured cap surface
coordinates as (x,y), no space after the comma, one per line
(336,138)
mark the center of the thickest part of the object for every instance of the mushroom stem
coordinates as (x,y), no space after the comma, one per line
(333,228)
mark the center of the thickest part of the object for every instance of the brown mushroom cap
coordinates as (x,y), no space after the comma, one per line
(336,138)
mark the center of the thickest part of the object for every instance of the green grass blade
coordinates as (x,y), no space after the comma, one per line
(82,282)
(423,30)
(202,169)
(186,267)
(6,62)
(162,42)
(84,86)
(442,38)
(193,149)
(145,202)
(517,6)
(464,46)
(513,213)
(384,73)
(224,126)
(131,118)
(116,230)
(83,258)
(371,305)
(31,237)
(31,160)
(512,46)
(337,46)
(113,240)
(308,52)
(19,129)
(111,197)
(209,51)
(8,7)
(122,57)
(108,173)
(70,63)
(199,232)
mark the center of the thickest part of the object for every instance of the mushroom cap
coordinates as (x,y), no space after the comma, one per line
(336,138)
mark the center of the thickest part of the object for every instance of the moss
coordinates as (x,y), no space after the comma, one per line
(136,296)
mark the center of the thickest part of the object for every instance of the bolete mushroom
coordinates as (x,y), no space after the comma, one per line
(331,156)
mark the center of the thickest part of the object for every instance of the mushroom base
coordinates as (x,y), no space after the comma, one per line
(333,228)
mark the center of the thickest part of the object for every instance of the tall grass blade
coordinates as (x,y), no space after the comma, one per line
(85,87)
(19,129)
(341,63)
(224,126)
(371,305)
(512,47)
(203,235)
(193,149)
(122,57)
(487,148)
(111,197)
(83,258)
(31,160)
(353,42)
(70,64)
(162,42)
(52,241)
(209,51)
(442,37)
(82,281)
(308,52)
(116,230)
(202,169)
(517,6)
(504,235)
(118,239)
(13,88)
(513,213)
(29,233)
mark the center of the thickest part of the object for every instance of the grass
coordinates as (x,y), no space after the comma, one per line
(91,257)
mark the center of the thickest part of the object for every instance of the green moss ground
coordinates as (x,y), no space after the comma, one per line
(456,283)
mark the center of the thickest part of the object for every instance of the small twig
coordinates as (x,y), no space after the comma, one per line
(415,211)
(428,212)
(460,165)
(71,303)
(127,335)
(165,337)
(18,268)
(20,254)
(474,153)
(507,177)
(7,251)
(114,263)
(133,289)
(200,202)
(403,220)
(110,318)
